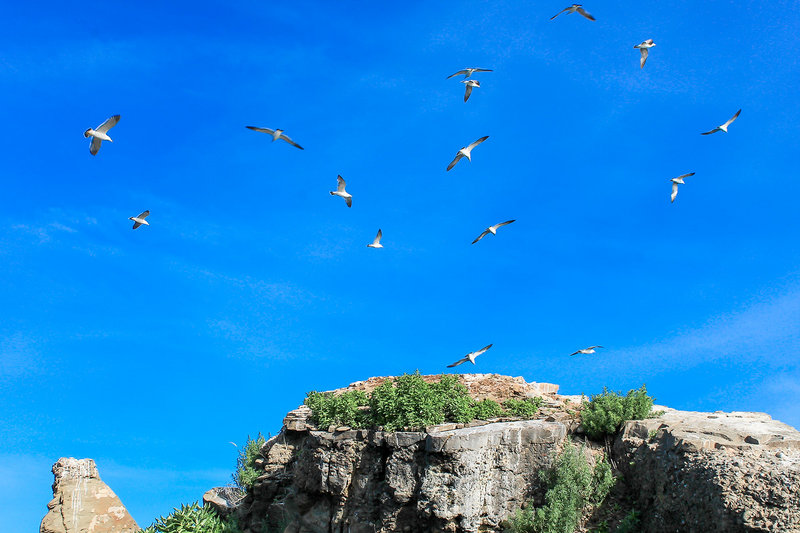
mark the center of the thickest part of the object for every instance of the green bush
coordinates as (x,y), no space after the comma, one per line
(526,408)
(572,485)
(629,524)
(341,409)
(486,409)
(192,519)
(606,412)
(246,472)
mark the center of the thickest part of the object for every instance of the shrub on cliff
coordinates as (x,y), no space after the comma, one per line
(246,472)
(338,409)
(486,410)
(192,519)
(606,412)
(526,408)
(573,485)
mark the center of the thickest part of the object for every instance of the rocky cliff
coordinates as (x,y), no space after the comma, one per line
(82,503)
(686,472)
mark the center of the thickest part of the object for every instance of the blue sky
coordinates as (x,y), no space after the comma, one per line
(150,350)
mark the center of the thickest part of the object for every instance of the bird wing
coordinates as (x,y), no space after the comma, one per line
(482,350)
(685,176)
(467,92)
(262,130)
(459,155)
(733,118)
(288,140)
(715,130)
(481,236)
(643,59)
(674,192)
(349,201)
(476,143)
(593,347)
(575,353)
(136,225)
(378,237)
(503,223)
(144,214)
(94,147)
(557,14)
(342,184)
(460,361)
(585,13)
(108,124)
(483,70)
(462,71)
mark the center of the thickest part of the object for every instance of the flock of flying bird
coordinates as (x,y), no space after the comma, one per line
(100,134)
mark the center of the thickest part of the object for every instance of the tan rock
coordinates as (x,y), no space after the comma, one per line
(82,503)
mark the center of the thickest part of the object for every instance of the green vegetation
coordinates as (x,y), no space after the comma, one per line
(629,524)
(246,472)
(606,412)
(573,485)
(409,402)
(192,519)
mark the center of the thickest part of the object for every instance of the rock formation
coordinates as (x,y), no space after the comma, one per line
(688,472)
(82,503)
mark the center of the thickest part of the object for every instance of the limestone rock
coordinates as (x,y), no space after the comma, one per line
(82,503)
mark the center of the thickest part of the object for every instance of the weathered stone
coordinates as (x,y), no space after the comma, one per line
(82,503)
(223,499)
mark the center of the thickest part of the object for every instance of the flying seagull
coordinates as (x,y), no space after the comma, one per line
(470,357)
(139,219)
(467,72)
(585,351)
(572,9)
(377,242)
(343,193)
(100,134)
(492,230)
(470,84)
(723,127)
(465,152)
(276,134)
(675,182)
(643,47)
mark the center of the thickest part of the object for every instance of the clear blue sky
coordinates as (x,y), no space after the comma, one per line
(149,350)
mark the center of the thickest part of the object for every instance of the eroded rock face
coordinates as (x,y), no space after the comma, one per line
(712,472)
(82,503)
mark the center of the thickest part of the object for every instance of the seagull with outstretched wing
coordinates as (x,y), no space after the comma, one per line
(723,127)
(377,242)
(276,134)
(466,152)
(100,134)
(675,182)
(470,84)
(492,230)
(574,8)
(467,72)
(644,47)
(586,351)
(470,357)
(139,219)
(341,192)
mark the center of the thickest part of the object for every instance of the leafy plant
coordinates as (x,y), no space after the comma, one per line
(526,408)
(192,519)
(606,412)
(572,486)
(629,524)
(486,409)
(342,409)
(246,472)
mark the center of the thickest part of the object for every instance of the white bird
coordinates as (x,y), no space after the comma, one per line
(100,134)
(139,219)
(470,357)
(675,182)
(492,230)
(470,84)
(341,192)
(723,127)
(467,72)
(465,152)
(643,47)
(572,9)
(585,351)
(377,242)
(276,134)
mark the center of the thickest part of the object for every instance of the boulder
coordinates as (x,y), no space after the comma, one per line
(82,503)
